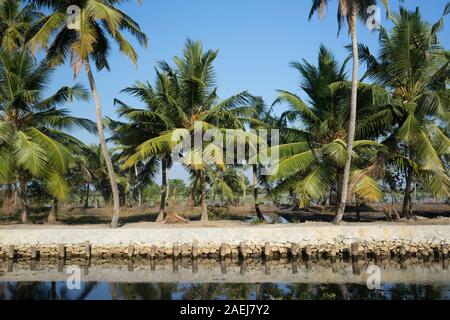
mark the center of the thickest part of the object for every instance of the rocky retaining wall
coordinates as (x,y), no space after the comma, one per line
(255,241)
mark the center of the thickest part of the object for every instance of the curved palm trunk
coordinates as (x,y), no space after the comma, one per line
(255,193)
(105,152)
(352,120)
(204,205)
(53,216)
(162,204)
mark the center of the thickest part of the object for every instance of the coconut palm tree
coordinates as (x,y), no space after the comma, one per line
(32,142)
(195,103)
(243,184)
(413,65)
(15,21)
(258,116)
(313,156)
(348,11)
(149,123)
(87,42)
(224,182)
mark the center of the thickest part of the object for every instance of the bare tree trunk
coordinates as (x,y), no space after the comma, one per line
(140,197)
(204,205)
(139,186)
(96,199)
(255,193)
(23,198)
(15,195)
(352,120)
(192,197)
(105,152)
(86,202)
(358,214)
(406,212)
(213,198)
(174,196)
(162,204)
(53,216)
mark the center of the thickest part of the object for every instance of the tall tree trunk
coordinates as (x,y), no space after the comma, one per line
(244,194)
(162,204)
(140,197)
(204,205)
(174,196)
(86,201)
(339,188)
(213,198)
(194,187)
(139,186)
(23,198)
(96,199)
(406,212)
(352,120)
(15,195)
(105,152)
(255,193)
(53,216)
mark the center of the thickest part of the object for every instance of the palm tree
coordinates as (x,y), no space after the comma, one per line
(194,101)
(348,10)
(243,185)
(97,20)
(224,182)
(31,141)
(414,67)
(149,123)
(258,117)
(313,156)
(93,168)
(15,21)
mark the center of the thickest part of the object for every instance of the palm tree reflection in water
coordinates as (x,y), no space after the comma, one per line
(212,291)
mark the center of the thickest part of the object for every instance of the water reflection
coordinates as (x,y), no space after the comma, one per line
(208,291)
(248,279)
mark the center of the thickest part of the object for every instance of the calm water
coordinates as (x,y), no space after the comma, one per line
(211,279)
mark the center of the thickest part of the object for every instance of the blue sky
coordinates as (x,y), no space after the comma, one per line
(257,39)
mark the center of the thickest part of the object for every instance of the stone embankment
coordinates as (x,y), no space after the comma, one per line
(312,241)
